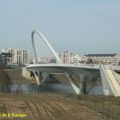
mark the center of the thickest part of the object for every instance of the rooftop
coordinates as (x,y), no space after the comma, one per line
(101,55)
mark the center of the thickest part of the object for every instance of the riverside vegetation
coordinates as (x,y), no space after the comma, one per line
(107,106)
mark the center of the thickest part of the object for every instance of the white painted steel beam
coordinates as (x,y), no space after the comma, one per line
(47,43)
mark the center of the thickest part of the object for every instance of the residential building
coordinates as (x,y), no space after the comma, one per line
(65,57)
(69,58)
(75,59)
(19,55)
(102,58)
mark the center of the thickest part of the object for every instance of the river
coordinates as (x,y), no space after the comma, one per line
(56,87)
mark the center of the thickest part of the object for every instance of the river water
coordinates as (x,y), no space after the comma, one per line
(56,87)
(33,88)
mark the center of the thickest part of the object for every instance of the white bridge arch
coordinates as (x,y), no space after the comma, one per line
(46,42)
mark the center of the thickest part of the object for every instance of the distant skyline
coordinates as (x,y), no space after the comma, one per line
(82,27)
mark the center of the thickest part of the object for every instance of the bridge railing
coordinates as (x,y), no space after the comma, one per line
(114,67)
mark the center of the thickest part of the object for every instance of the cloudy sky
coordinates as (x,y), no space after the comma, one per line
(80,26)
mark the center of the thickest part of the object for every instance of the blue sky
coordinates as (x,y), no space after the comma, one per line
(81,26)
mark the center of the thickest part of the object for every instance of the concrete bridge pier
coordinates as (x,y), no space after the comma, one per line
(82,80)
(37,76)
(40,76)
(73,84)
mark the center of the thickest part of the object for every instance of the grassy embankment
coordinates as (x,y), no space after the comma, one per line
(107,106)
(47,106)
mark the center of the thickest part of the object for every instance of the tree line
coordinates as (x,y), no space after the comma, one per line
(5,58)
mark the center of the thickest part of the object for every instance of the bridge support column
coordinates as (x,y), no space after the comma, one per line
(40,76)
(37,76)
(81,83)
(44,76)
(75,87)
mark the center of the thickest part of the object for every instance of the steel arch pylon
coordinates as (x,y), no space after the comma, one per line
(46,42)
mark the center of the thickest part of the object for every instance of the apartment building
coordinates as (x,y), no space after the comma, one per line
(19,55)
(102,58)
(69,58)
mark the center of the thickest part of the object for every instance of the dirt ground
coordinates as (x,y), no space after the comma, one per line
(44,106)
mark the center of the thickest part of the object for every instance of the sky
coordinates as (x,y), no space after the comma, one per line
(79,26)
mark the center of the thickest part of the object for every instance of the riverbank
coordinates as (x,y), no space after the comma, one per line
(9,77)
(47,106)
(13,75)
(107,106)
